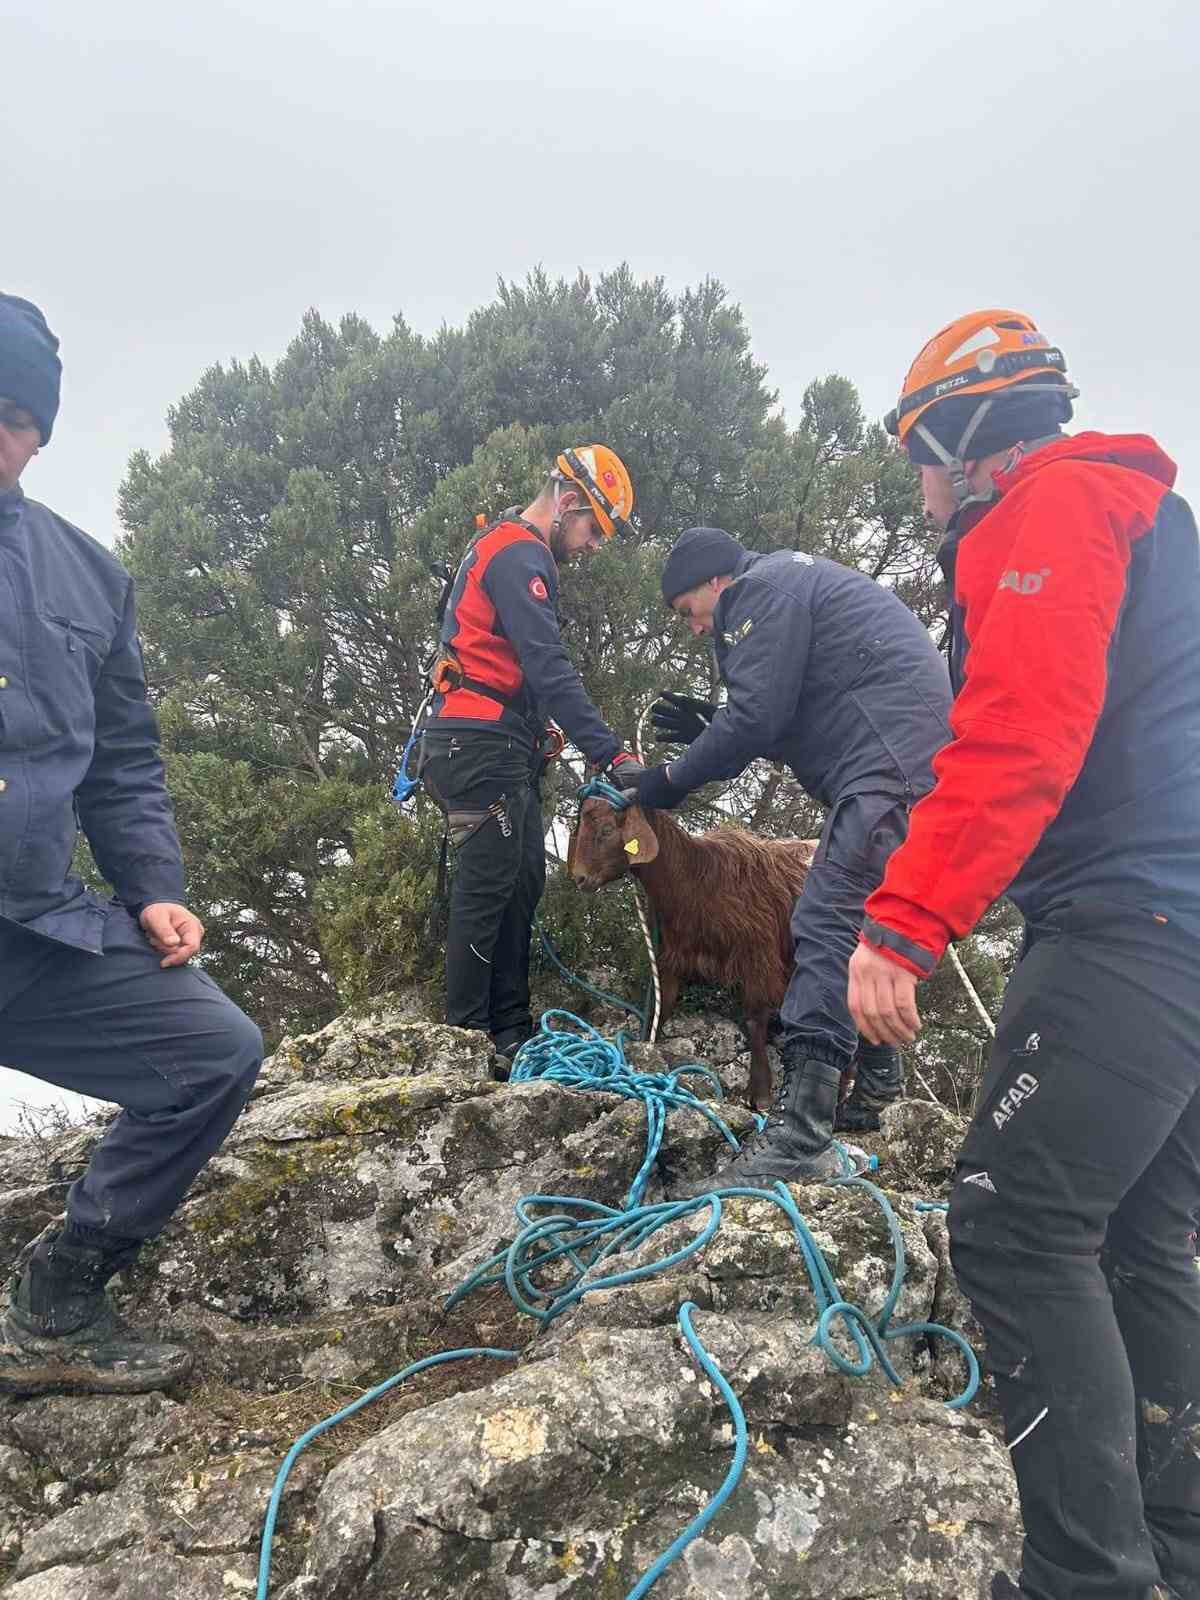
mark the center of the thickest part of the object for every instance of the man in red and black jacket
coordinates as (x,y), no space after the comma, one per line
(502,673)
(1072,781)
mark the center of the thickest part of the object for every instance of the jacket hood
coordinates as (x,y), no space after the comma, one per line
(1137,451)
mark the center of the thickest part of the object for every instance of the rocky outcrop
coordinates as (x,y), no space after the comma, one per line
(377,1165)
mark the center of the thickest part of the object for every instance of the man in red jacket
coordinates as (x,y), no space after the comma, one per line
(1072,781)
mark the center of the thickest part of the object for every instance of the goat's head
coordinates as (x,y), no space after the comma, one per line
(607,842)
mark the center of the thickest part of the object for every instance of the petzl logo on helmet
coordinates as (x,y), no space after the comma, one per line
(538,589)
(948,385)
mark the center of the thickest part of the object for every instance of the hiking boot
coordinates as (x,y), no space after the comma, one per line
(796,1145)
(507,1045)
(62,1334)
(878,1081)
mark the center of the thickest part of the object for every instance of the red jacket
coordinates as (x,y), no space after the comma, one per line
(1074,767)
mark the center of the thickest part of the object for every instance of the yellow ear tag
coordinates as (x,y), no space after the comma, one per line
(631,847)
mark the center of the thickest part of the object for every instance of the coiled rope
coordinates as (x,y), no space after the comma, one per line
(564,1242)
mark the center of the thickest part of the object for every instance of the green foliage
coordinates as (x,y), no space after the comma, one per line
(282,547)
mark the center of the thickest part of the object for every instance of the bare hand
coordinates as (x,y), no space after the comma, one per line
(174,931)
(882,998)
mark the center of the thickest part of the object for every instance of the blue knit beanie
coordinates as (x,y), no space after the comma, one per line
(30,371)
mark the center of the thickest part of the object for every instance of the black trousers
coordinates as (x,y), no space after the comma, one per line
(166,1045)
(499,876)
(860,834)
(1072,1233)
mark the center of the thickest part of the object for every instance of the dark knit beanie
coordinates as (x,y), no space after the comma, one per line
(30,371)
(1011,418)
(696,556)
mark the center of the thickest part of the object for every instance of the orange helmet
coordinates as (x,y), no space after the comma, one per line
(605,481)
(979,354)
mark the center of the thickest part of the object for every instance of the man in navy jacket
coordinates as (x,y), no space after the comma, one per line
(829,672)
(95,996)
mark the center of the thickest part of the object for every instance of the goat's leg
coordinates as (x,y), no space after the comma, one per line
(757,1023)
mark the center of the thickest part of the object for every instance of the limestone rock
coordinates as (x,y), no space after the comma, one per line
(377,1166)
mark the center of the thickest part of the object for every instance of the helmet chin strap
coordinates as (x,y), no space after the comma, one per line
(956,462)
(556,514)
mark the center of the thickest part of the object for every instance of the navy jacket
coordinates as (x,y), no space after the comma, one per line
(78,740)
(826,671)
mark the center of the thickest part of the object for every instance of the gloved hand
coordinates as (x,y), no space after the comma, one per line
(623,771)
(680,718)
(655,789)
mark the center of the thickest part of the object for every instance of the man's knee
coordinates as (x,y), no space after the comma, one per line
(234,1055)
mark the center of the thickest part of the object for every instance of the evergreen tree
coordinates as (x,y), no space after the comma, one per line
(283,547)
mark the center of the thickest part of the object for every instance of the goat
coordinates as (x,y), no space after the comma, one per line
(723,902)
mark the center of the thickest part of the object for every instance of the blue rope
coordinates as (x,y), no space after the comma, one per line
(582,983)
(551,1264)
(619,799)
(699,1523)
(587,1060)
(305,1439)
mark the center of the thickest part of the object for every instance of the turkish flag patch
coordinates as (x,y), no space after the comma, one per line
(538,589)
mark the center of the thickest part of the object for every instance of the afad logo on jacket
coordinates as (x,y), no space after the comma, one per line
(538,589)
(1024,582)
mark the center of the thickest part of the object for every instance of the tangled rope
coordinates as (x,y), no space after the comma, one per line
(566,1245)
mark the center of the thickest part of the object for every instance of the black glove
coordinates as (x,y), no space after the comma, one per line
(624,771)
(655,789)
(680,718)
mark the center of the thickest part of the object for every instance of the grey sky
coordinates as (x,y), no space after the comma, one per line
(180,182)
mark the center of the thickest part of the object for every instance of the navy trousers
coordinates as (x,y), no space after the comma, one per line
(165,1045)
(1072,1232)
(860,834)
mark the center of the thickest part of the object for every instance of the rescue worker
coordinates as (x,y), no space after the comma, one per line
(829,672)
(1073,783)
(95,996)
(501,674)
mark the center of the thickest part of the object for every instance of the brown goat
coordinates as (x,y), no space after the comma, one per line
(723,902)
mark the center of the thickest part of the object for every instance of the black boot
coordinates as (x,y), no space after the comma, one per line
(797,1142)
(62,1334)
(507,1044)
(878,1081)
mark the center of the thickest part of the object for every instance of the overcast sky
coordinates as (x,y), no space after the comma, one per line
(179,183)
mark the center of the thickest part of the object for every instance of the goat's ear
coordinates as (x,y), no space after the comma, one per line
(639,840)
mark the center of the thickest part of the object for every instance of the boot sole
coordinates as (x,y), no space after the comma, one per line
(43,1366)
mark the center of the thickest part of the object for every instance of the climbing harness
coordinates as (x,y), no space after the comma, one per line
(565,1245)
